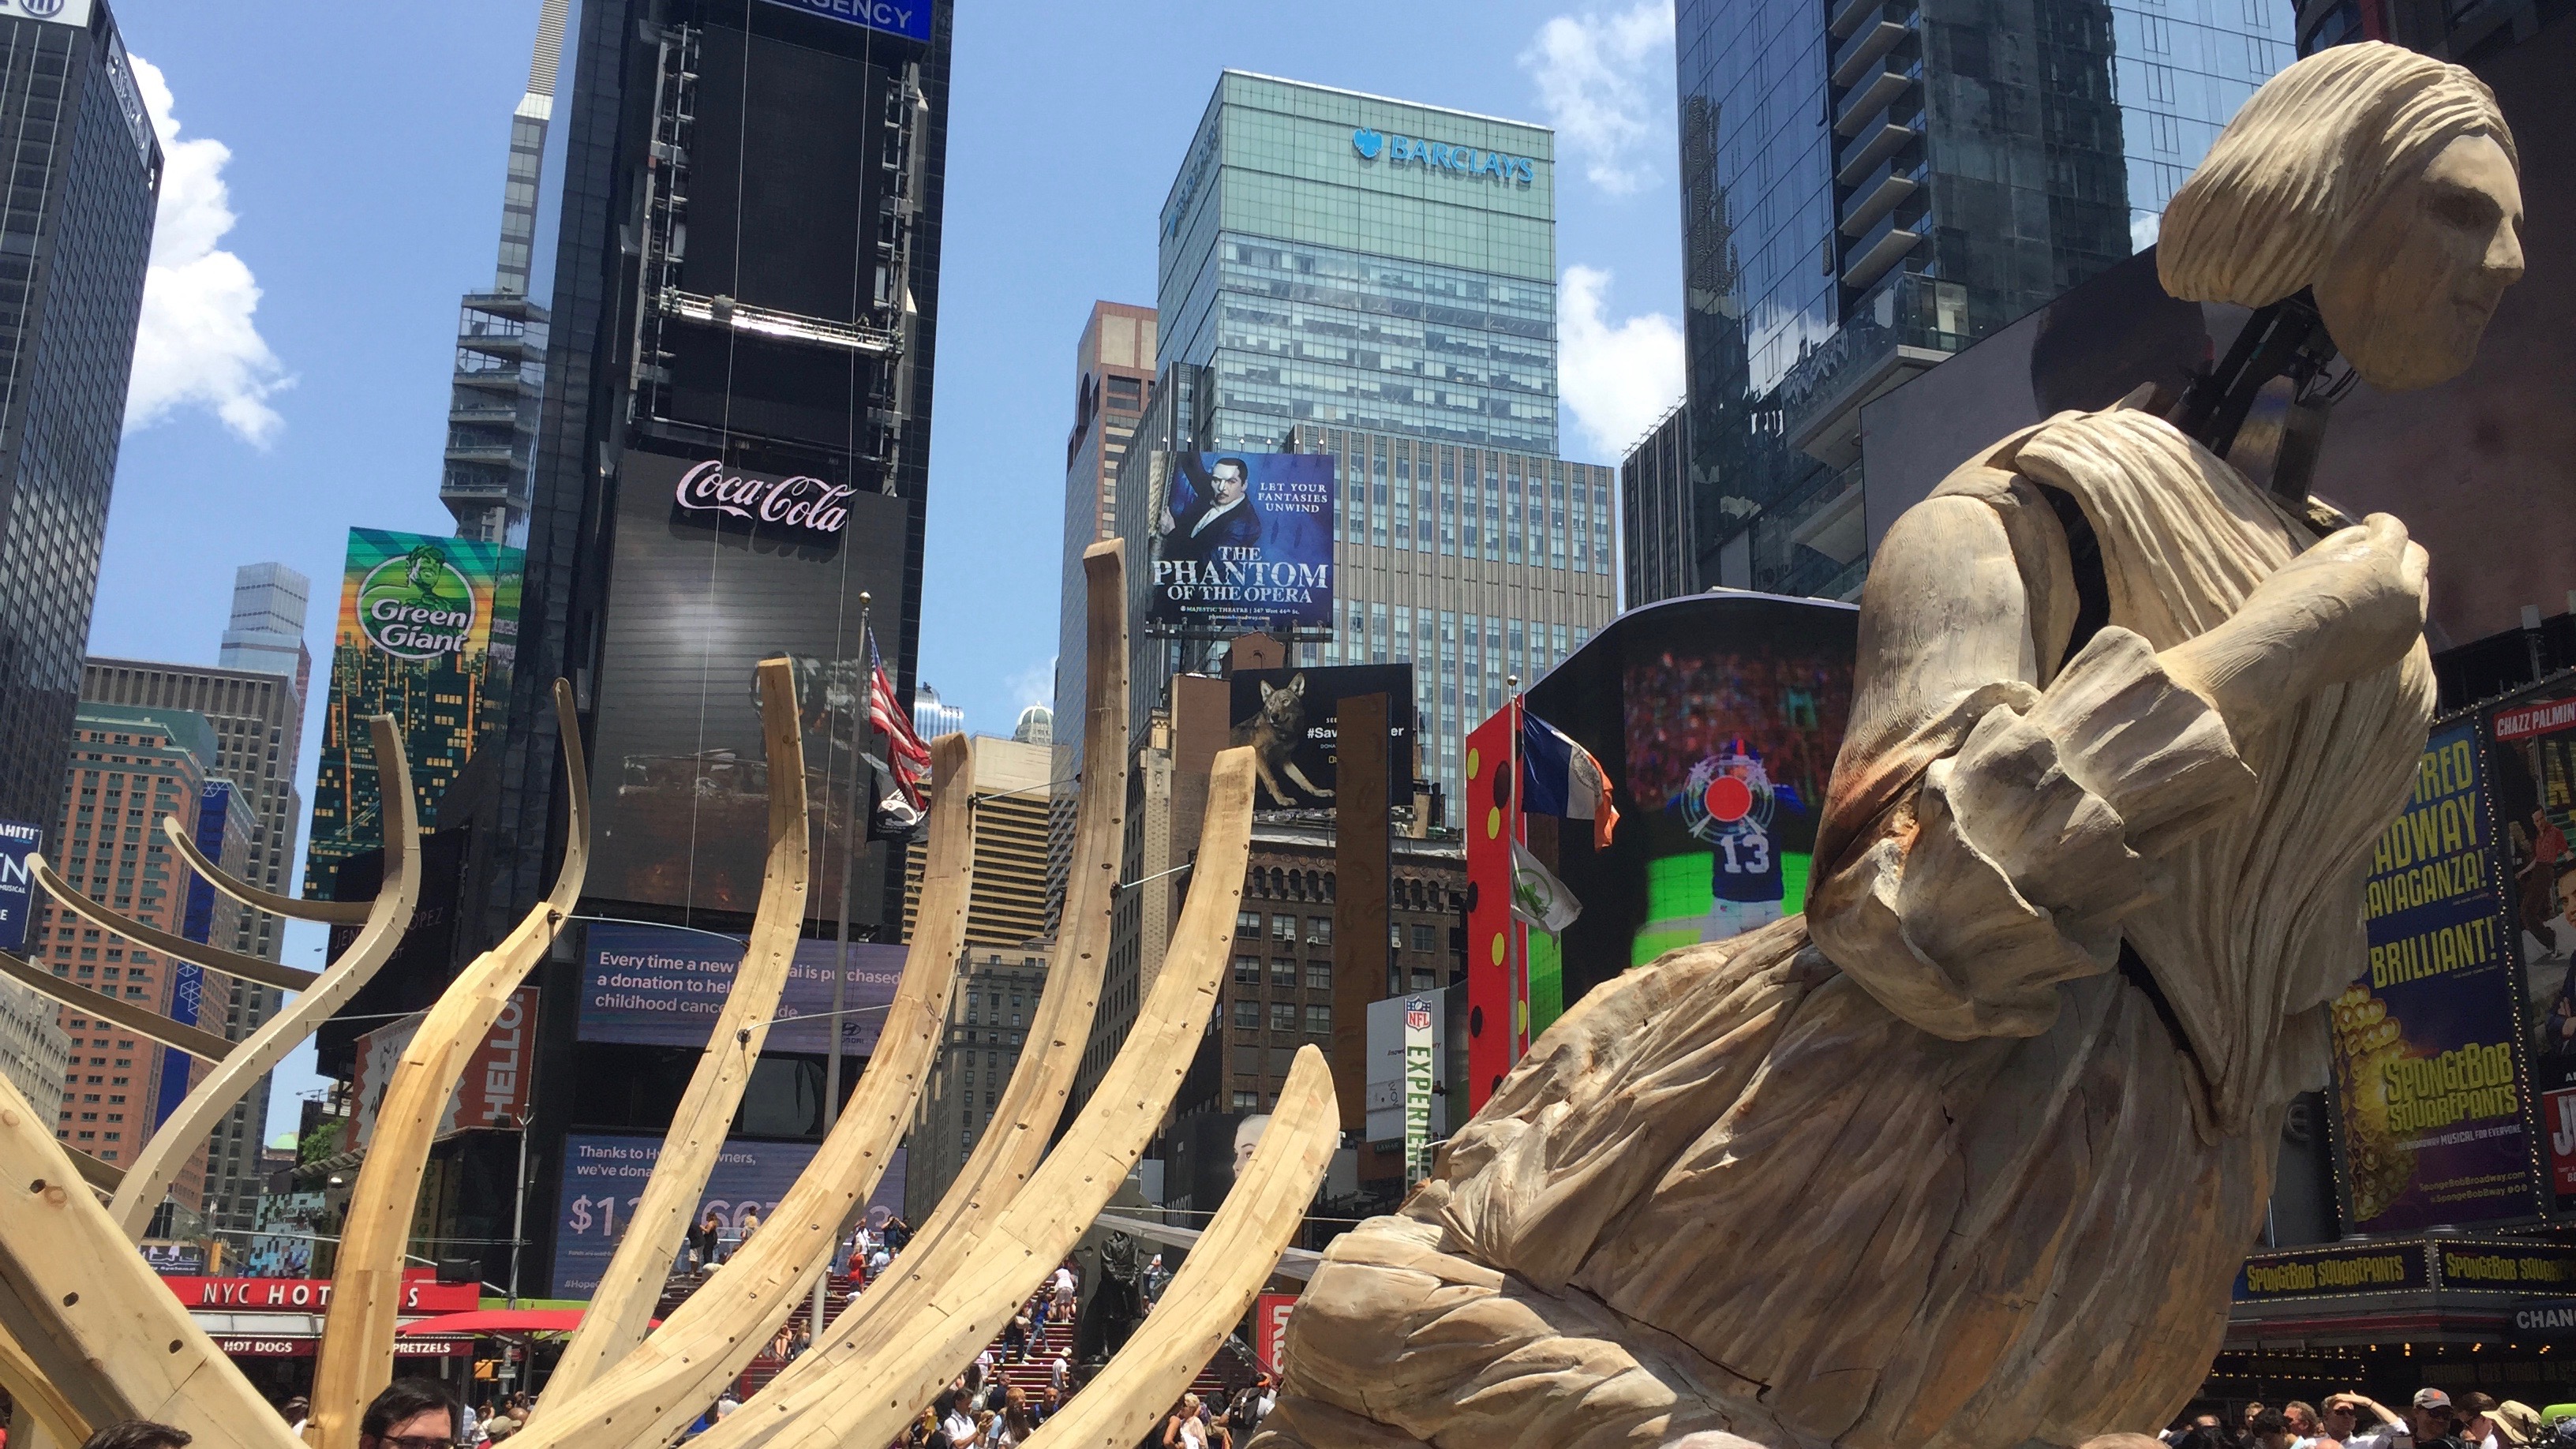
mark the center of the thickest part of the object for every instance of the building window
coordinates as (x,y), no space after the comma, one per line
(1247,1014)
(1283,1016)
(1319,930)
(1247,970)
(1283,928)
(1246,1101)
(1426,981)
(1247,925)
(1319,1021)
(1283,972)
(1423,938)
(1319,976)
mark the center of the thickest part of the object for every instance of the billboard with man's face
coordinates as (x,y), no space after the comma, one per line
(1241,543)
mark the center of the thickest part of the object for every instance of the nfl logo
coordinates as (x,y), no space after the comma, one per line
(1416,1019)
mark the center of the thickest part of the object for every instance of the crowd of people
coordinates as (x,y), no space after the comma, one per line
(2431,1420)
(1683,707)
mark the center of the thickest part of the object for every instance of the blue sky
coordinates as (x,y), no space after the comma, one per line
(334,184)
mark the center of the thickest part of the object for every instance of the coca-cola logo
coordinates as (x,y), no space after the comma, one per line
(808,505)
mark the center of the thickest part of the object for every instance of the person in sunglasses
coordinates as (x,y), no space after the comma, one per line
(409,1414)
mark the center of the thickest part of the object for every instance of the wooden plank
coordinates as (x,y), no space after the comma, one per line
(92,1319)
(947,1302)
(33,1394)
(213,958)
(142,1021)
(1060,1028)
(357,1350)
(622,1309)
(1225,1271)
(346,913)
(388,918)
(708,1341)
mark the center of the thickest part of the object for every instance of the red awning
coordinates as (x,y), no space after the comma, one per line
(501,1320)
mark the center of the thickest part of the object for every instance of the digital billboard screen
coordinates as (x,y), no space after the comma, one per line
(659,987)
(1242,544)
(717,568)
(603,1179)
(428,632)
(1290,718)
(2427,1040)
(17,882)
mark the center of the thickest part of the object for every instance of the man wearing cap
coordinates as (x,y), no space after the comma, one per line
(2427,1424)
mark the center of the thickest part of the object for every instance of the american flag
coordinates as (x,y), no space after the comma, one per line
(904,749)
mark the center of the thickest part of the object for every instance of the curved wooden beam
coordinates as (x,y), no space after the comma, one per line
(92,1319)
(1218,1280)
(388,918)
(708,1341)
(213,958)
(345,913)
(621,1310)
(1060,1028)
(196,1042)
(357,1351)
(946,1302)
(35,1395)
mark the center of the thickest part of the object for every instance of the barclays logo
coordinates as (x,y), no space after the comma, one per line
(1440,155)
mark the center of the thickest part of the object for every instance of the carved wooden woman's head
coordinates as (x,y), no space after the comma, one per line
(2385,180)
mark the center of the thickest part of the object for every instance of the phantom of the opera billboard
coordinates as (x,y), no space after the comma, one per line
(427,633)
(717,568)
(1242,543)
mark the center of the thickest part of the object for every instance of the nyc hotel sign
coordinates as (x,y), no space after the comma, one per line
(1442,156)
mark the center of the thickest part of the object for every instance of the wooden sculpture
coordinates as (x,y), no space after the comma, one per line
(89,1335)
(1969,1154)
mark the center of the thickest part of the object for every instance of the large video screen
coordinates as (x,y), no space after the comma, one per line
(1718,718)
(1242,543)
(603,1179)
(717,568)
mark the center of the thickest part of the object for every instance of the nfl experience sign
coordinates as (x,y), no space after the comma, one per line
(1242,543)
(1418,1074)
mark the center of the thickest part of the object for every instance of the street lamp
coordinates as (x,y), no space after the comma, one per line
(518,1196)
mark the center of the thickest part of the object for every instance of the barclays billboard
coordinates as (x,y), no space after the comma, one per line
(907,18)
(1443,156)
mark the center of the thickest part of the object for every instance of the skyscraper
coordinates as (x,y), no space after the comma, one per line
(85,174)
(1656,556)
(501,334)
(1113,370)
(130,768)
(270,603)
(1373,278)
(1870,185)
(255,721)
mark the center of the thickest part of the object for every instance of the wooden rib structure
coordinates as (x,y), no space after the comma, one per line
(89,1335)
(1218,1280)
(622,1309)
(707,1341)
(357,1351)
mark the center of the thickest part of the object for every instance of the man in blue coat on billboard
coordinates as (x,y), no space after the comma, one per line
(1219,515)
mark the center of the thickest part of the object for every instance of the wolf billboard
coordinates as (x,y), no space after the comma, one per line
(1289,717)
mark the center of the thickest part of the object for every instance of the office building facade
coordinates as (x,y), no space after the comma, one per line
(1375,279)
(1656,560)
(266,632)
(995,997)
(255,722)
(75,234)
(1976,161)
(501,333)
(1008,904)
(131,768)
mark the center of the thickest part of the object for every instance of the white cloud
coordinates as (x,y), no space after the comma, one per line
(1617,378)
(198,345)
(1034,685)
(1606,83)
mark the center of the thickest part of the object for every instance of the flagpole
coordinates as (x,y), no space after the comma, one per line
(1515,935)
(853,833)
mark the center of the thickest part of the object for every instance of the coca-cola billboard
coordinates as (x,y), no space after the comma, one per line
(800,504)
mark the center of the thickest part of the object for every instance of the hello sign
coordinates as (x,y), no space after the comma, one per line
(806,505)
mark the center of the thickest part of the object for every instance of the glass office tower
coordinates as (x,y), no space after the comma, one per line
(85,174)
(1344,260)
(1870,185)
(1374,278)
